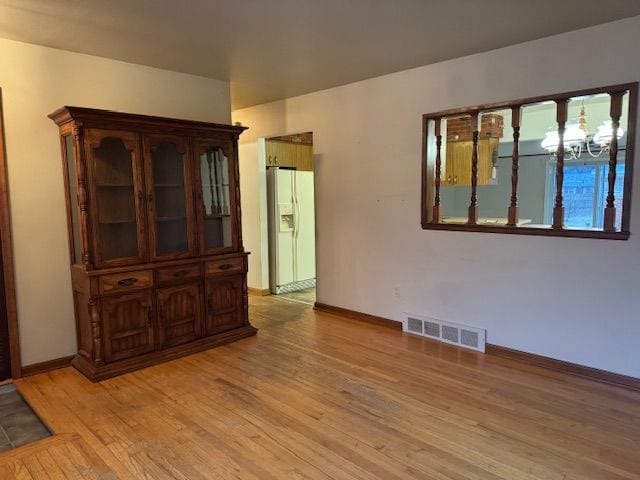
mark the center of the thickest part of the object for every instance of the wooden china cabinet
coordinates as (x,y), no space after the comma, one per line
(157,262)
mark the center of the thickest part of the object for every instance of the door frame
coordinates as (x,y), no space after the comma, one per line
(264,167)
(7,256)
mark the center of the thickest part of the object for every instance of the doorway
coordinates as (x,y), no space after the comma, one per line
(5,352)
(291,217)
(9,346)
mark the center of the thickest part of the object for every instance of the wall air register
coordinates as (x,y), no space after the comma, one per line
(447,332)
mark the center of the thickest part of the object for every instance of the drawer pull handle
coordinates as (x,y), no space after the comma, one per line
(127,282)
(225,266)
(180,273)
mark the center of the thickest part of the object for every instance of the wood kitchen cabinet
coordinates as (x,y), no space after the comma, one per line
(157,262)
(289,154)
(457,169)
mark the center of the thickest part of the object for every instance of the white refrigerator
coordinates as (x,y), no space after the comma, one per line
(292,250)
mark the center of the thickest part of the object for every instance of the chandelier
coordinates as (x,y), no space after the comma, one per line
(578,140)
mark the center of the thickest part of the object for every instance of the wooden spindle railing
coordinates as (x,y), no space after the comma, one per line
(469,141)
(516,117)
(438,172)
(610,209)
(473,207)
(558,209)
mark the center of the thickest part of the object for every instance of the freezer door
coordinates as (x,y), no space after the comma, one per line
(285,226)
(304,237)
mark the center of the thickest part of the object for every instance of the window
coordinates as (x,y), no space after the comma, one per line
(585,192)
(498,168)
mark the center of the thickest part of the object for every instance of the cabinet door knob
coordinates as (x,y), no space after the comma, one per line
(127,282)
(455,180)
(449,179)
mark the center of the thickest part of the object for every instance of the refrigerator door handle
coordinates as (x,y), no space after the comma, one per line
(296,207)
(296,224)
(296,231)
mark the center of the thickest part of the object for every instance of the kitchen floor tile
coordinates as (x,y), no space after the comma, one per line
(19,425)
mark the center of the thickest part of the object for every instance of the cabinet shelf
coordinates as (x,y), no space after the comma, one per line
(116,222)
(168,185)
(216,215)
(114,185)
(171,219)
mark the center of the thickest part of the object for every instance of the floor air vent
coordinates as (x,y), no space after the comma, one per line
(414,325)
(447,332)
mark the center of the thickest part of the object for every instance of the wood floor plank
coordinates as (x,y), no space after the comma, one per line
(316,396)
(19,471)
(6,473)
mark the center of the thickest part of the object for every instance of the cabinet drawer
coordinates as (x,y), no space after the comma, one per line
(224,265)
(125,281)
(181,272)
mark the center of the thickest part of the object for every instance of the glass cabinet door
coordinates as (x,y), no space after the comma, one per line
(169,196)
(216,198)
(117,207)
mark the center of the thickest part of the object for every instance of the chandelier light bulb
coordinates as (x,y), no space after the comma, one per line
(573,137)
(550,141)
(604,134)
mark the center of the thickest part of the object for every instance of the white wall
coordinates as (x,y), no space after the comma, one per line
(253,188)
(35,81)
(571,299)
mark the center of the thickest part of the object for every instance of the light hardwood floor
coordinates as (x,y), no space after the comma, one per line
(316,396)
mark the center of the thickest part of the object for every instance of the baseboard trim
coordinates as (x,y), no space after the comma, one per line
(590,373)
(259,292)
(363,317)
(44,367)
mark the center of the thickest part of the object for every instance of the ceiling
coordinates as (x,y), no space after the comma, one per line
(273,49)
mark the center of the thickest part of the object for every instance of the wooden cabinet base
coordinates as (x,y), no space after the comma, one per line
(95,372)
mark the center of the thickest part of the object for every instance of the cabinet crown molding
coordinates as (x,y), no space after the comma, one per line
(95,116)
